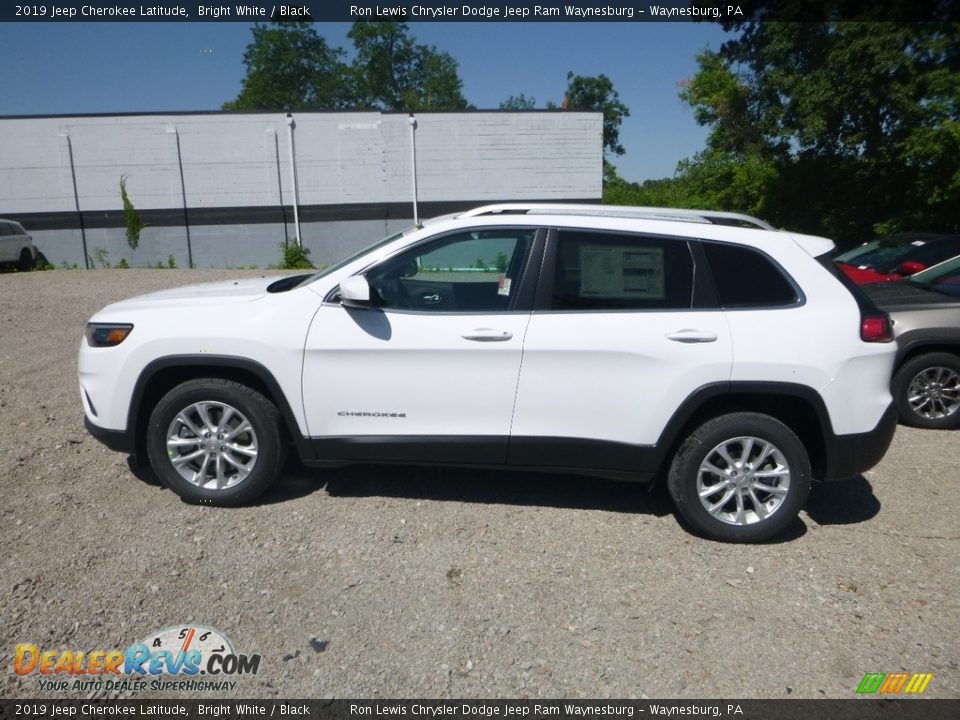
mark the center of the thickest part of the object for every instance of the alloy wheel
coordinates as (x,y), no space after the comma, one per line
(212,445)
(743,480)
(934,393)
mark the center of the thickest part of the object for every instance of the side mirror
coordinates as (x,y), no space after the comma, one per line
(355,292)
(909,267)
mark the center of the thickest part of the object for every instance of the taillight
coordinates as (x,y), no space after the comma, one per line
(876,328)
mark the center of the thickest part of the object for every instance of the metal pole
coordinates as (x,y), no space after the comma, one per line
(172,129)
(273,150)
(76,201)
(413,165)
(293,178)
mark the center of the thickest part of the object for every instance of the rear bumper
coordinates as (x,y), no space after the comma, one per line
(850,455)
(117,440)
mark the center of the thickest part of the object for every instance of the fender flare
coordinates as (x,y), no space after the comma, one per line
(256,369)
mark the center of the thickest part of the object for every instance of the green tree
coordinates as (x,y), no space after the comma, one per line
(291,67)
(851,129)
(131,217)
(518,102)
(394,72)
(596,93)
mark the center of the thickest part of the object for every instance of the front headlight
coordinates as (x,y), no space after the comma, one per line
(107,334)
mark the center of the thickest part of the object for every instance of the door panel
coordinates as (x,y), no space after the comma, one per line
(614,348)
(431,373)
(7,241)
(614,376)
(368,372)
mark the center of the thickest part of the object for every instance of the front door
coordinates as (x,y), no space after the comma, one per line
(430,371)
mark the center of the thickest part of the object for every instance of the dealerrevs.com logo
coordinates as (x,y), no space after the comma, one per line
(183,653)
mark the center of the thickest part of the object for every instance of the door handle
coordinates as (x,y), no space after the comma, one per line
(433,299)
(487,335)
(688,335)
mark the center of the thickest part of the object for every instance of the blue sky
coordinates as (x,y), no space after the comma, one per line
(57,68)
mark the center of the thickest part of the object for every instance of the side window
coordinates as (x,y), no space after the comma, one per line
(613,271)
(473,271)
(746,278)
(5,229)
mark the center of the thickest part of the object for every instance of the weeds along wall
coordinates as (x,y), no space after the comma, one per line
(217,189)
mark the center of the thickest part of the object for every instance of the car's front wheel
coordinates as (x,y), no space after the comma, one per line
(26,261)
(741,477)
(215,441)
(927,391)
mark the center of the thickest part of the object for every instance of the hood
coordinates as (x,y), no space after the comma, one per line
(230,292)
(903,294)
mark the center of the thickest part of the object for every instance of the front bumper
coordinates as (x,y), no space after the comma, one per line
(850,455)
(117,440)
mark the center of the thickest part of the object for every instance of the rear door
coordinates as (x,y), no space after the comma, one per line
(615,345)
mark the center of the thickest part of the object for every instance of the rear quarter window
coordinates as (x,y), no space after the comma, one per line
(746,278)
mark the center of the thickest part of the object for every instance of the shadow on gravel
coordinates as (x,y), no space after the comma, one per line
(843,502)
(295,481)
(795,530)
(836,503)
(143,472)
(505,487)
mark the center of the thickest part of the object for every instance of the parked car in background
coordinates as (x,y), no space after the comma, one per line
(897,256)
(16,245)
(926,322)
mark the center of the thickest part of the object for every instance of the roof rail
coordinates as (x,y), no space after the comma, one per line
(712,217)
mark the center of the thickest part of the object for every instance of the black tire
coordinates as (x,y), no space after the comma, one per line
(912,370)
(267,438)
(26,261)
(685,474)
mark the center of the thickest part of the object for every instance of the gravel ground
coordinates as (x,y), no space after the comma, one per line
(406,582)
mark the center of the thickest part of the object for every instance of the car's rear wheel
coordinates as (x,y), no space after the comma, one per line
(26,261)
(741,477)
(215,441)
(927,391)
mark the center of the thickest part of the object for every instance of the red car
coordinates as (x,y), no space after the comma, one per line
(897,256)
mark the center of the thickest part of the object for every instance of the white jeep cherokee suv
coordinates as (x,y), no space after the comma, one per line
(619,342)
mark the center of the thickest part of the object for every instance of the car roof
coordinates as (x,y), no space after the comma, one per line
(654,221)
(713,217)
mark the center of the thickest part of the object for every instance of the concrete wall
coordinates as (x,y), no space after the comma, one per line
(226,246)
(225,178)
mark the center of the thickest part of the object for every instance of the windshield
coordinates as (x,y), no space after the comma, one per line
(880,252)
(943,278)
(359,254)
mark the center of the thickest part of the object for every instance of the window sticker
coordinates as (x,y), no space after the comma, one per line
(621,272)
(503,287)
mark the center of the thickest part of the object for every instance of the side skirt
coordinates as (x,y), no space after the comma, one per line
(616,461)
